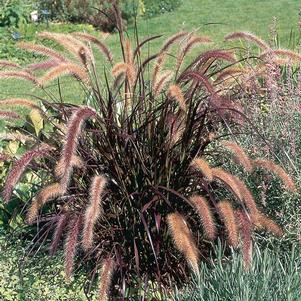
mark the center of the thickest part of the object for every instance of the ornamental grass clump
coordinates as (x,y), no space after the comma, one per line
(131,183)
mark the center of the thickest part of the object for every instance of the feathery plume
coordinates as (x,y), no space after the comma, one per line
(227,215)
(5,63)
(44,65)
(248,37)
(227,179)
(60,226)
(175,92)
(191,43)
(63,69)
(9,115)
(73,131)
(127,69)
(278,171)
(229,73)
(76,161)
(70,246)
(20,75)
(68,42)
(173,39)
(245,231)
(98,43)
(119,68)
(4,157)
(158,67)
(269,225)
(18,168)
(239,154)
(283,52)
(43,50)
(203,167)
(19,102)
(45,194)
(162,80)
(105,279)
(16,136)
(93,211)
(247,198)
(183,240)
(204,212)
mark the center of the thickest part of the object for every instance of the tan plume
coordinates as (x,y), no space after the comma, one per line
(277,170)
(105,279)
(227,215)
(175,92)
(239,154)
(183,240)
(201,165)
(204,212)
(63,69)
(93,211)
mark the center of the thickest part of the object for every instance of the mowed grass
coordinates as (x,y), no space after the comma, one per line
(214,18)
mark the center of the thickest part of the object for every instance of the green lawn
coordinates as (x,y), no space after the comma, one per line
(213,17)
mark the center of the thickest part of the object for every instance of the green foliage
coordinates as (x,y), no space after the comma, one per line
(32,276)
(274,275)
(157,7)
(15,12)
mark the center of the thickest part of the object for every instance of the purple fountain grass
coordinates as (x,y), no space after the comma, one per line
(63,69)
(105,279)
(93,211)
(161,82)
(43,50)
(19,75)
(9,115)
(175,92)
(228,179)
(248,37)
(201,165)
(269,225)
(277,170)
(73,131)
(183,240)
(59,229)
(205,213)
(227,215)
(98,43)
(245,227)
(19,102)
(44,195)
(240,155)
(18,168)
(71,245)
(5,63)
(43,65)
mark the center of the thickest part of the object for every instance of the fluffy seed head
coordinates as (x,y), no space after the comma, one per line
(204,212)
(71,245)
(93,211)
(18,168)
(227,214)
(278,171)
(248,37)
(227,179)
(175,92)
(73,132)
(239,154)
(269,225)
(203,167)
(183,240)
(45,195)
(105,279)
(63,69)
(9,115)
